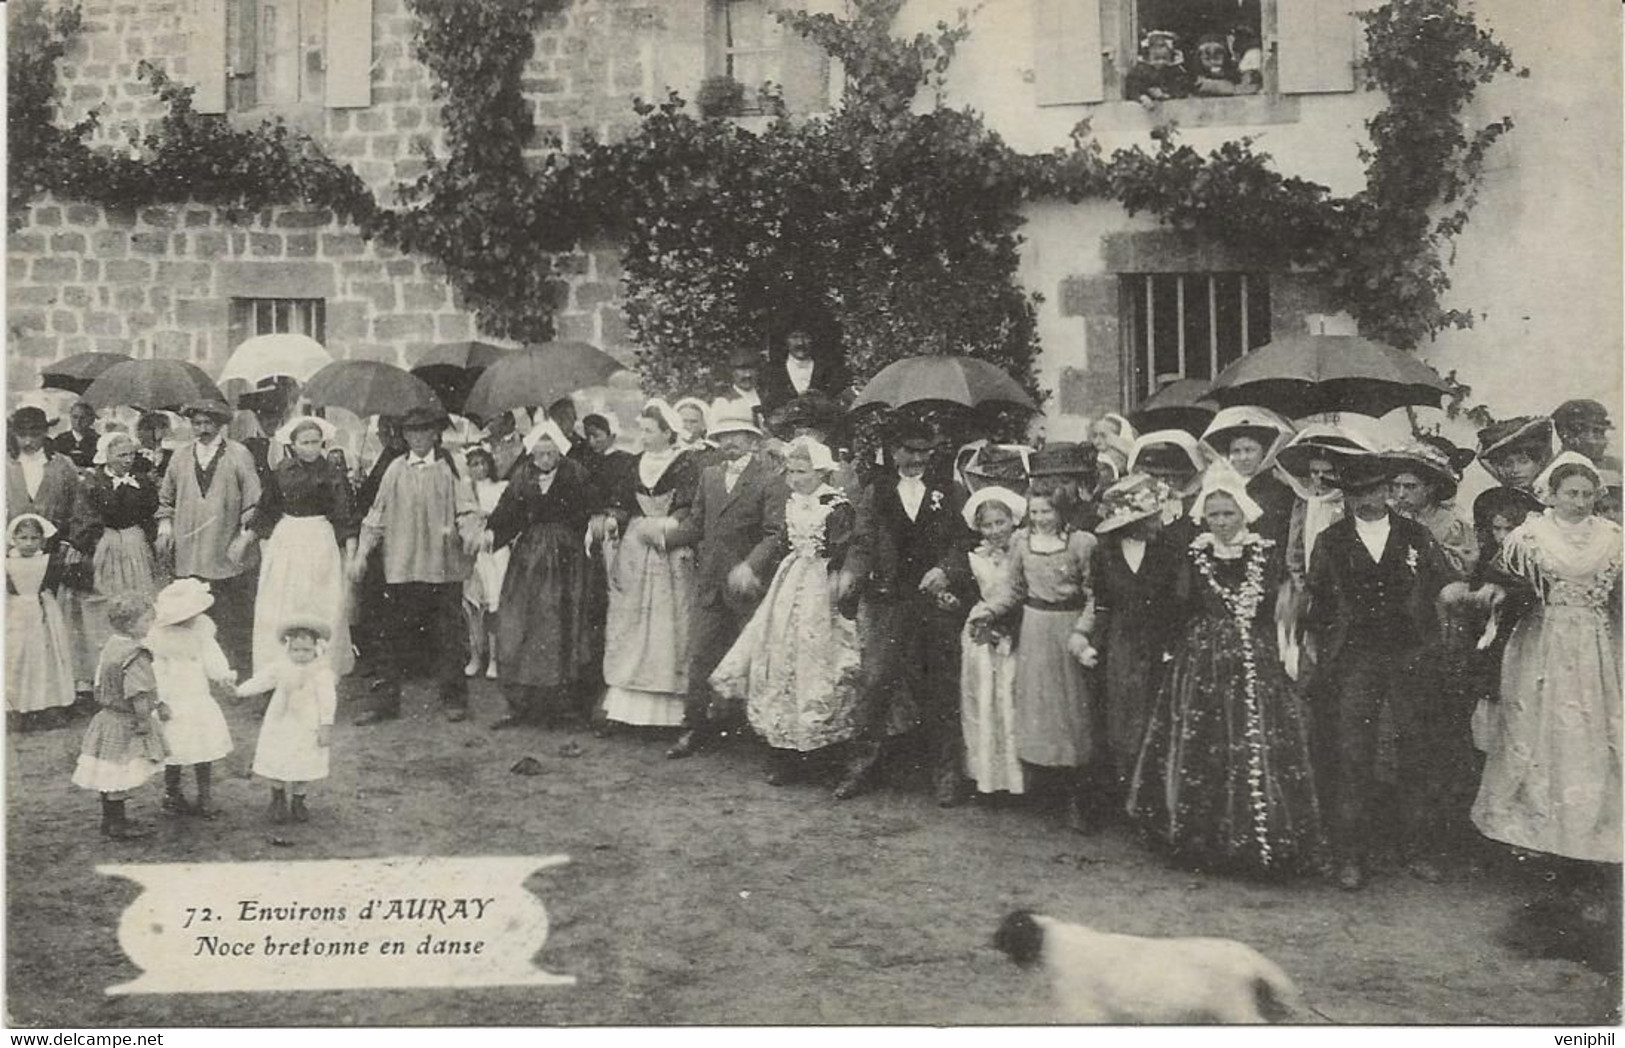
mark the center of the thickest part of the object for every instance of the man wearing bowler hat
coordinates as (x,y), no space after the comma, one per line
(1373,580)
(908,524)
(205,503)
(733,526)
(426,518)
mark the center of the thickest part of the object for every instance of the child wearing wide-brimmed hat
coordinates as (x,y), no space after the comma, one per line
(123,745)
(297,731)
(186,660)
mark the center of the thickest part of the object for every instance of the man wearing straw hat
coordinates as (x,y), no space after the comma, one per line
(205,503)
(733,526)
(427,519)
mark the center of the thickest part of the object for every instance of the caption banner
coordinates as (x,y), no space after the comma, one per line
(334,924)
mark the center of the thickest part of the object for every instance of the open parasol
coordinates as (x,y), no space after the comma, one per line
(266,356)
(539,375)
(151,384)
(75,374)
(1186,404)
(368,387)
(953,379)
(1309,374)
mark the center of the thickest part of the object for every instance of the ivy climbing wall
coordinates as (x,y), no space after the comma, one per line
(158,281)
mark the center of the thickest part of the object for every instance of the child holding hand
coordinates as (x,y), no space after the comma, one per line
(122,747)
(186,660)
(1047,576)
(296,735)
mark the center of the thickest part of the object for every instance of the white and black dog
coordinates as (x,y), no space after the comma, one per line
(1099,977)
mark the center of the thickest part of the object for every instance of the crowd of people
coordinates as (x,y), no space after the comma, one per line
(1252,645)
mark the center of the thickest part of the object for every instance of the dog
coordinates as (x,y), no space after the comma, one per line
(1099,977)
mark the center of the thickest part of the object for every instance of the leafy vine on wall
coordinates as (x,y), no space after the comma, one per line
(889,227)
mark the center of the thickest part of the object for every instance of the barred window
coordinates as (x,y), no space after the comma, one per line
(273,316)
(1189,325)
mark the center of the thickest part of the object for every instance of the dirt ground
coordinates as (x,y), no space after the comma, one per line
(698,894)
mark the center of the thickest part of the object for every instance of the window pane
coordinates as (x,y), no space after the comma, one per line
(1196,326)
(1134,291)
(746,23)
(1227,303)
(277,77)
(1165,324)
(1258,310)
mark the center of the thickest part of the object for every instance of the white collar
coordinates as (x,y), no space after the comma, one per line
(413,459)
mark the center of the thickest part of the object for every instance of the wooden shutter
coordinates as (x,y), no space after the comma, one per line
(208,56)
(349,54)
(1316,39)
(1066,51)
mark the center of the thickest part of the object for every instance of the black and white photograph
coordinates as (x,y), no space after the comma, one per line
(814,513)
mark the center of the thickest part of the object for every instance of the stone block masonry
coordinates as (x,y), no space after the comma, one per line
(159,281)
(80,285)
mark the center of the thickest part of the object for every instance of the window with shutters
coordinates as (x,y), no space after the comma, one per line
(257,54)
(1188,325)
(749,45)
(1086,51)
(249,317)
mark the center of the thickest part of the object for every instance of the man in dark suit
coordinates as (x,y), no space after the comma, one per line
(801,371)
(734,527)
(78,444)
(909,522)
(1373,582)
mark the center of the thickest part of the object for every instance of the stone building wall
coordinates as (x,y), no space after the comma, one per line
(159,281)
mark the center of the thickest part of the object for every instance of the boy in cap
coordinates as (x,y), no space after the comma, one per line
(206,501)
(427,518)
(733,526)
(1373,580)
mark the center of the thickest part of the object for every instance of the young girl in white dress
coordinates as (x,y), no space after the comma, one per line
(39,671)
(987,667)
(187,661)
(296,735)
(482,592)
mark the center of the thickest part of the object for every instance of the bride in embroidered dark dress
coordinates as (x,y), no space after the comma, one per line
(1223,776)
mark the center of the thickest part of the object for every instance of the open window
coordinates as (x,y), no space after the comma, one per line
(1088,50)
(1195,48)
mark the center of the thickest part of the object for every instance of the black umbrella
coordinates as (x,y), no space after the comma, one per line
(1186,404)
(76,373)
(539,375)
(152,384)
(1309,374)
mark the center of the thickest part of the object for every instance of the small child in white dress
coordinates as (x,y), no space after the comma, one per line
(187,661)
(296,734)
